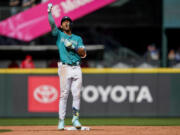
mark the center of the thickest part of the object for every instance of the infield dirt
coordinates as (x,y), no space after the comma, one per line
(95,130)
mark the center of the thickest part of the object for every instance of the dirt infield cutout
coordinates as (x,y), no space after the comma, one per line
(95,130)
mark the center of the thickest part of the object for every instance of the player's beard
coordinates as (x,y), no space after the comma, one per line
(67,28)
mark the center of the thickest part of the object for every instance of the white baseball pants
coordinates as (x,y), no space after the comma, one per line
(70,79)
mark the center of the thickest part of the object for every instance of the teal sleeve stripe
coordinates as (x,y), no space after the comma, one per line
(52,24)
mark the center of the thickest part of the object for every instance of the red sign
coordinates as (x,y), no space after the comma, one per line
(43,93)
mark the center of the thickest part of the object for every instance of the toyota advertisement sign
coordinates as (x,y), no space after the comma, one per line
(43,93)
(104,95)
(109,94)
(117,94)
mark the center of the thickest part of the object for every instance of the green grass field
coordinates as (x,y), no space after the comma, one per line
(4,130)
(93,121)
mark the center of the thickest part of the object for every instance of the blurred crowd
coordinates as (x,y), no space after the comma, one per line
(116,52)
(24,4)
(28,62)
(153,54)
(174,55)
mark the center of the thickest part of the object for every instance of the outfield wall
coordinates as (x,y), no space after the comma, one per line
(106,92)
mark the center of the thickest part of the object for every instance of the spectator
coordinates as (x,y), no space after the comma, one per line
(27,62)
(171,55)
(43,1)
(152,53)
(177,57)
(14,4)
(13,64)
(28,3)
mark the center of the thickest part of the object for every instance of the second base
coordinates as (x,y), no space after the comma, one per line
(73,128)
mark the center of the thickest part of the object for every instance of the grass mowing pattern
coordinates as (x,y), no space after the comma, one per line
(5,130)
(93,121)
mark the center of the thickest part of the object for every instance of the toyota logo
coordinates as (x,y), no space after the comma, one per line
(45,94)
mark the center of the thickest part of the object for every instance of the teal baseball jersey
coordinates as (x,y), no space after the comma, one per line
(66,55)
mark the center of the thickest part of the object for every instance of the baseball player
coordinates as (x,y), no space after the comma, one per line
(71,50)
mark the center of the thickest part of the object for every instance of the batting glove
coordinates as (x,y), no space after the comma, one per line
(70,45)
(49,7)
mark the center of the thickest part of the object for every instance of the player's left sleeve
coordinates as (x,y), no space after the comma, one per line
(80,43)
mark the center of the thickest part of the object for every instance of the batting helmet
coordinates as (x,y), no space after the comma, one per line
(66,18)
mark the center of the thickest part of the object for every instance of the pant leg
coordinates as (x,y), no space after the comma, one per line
(65,84)
(76,87)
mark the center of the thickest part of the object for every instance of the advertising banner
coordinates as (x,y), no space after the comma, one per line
(117,95)
(102,95)
(43,94)
(125,95)
(33,22)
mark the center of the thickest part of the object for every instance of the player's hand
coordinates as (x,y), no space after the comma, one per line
(81,52)
(49,7)
(69,45)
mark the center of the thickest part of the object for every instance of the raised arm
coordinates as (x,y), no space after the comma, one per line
(51,21)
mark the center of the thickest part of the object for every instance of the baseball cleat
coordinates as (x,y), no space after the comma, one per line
(61,125)
(76,123)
